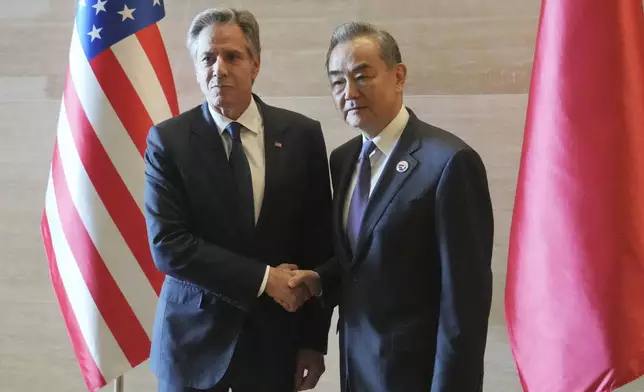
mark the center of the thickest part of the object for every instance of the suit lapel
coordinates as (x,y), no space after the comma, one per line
(340,194)
(390,182)
(274,127)
(209,151)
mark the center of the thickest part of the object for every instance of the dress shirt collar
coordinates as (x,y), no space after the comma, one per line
(250,119)
(388,137)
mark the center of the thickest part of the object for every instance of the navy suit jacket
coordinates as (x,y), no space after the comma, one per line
(214,268)
(414,298)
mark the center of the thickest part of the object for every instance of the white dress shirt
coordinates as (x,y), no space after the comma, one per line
(385,143)
(252,137)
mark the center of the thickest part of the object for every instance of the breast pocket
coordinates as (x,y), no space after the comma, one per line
(405,213)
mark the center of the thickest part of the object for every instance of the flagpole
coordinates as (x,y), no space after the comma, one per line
(118,384)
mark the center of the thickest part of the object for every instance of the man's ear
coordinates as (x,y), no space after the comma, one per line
(256,65)
(401,76)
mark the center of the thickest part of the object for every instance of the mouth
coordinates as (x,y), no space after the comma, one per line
(354,109)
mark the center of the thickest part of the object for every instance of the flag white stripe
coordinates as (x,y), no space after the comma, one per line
(109,129)
(108,240)
(99,339)
(137,67)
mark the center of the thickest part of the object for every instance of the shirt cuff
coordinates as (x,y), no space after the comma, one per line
(263,286)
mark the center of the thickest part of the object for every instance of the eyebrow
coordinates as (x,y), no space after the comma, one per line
(358,67)
(211,52)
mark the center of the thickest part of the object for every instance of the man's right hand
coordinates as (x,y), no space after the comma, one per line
(278,288)
(308,279)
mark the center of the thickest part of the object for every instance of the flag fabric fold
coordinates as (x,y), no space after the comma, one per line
(575,280)
(118,84)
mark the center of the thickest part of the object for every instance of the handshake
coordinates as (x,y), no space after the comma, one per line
(292,287)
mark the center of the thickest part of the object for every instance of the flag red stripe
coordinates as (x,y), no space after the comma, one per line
(125,213)
(91,373)
(109,299)
(122,97)
(152,43)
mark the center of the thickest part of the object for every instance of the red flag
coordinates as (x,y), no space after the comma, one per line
(575,282)
(119,83)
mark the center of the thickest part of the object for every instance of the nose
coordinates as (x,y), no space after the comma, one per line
(219,68)
(351,91)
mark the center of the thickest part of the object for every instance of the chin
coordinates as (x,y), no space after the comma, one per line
(355,121)
(219,101)
(354,124)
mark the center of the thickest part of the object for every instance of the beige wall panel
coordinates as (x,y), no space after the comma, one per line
(469,67)
(379,9)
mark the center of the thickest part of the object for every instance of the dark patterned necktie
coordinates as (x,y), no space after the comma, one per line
(241,172)
(360,196)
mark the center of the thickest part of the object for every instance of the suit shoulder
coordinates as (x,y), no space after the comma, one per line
(180,121)
(441,144)
(346,147)
(294,118)
(440,138)
(340,153)
(171,134)
(440,147)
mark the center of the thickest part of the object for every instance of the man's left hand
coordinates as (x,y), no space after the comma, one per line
(312,362)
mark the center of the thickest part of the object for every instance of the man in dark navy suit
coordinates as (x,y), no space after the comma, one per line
(237,197)
(413,233)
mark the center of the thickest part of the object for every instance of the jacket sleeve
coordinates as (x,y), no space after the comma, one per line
(316,242)
(330,271)
(464,225)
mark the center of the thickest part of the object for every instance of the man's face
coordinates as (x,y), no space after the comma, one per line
(225,68)
(366,92)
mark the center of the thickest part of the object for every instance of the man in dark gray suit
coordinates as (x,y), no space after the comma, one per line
(235,191)
(413,233)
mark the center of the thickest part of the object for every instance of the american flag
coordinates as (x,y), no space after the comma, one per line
(118,84)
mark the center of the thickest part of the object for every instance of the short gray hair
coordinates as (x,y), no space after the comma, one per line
(346,32)
(244,19)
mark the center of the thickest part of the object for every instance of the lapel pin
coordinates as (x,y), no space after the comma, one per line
(402,166)
(278,144)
